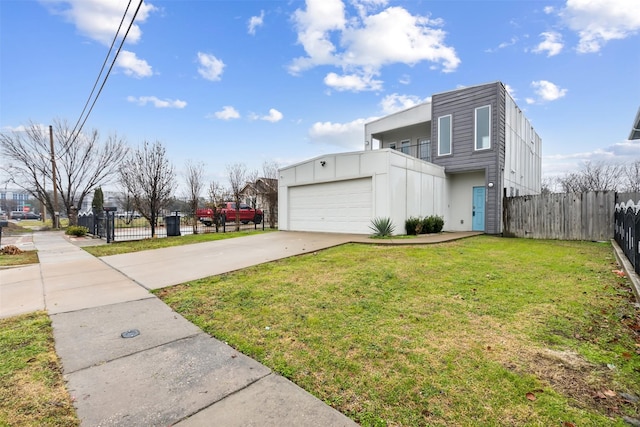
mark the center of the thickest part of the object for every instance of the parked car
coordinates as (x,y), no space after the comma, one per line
(226,212)
(18,215)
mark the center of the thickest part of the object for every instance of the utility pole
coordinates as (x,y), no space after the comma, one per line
(55,213)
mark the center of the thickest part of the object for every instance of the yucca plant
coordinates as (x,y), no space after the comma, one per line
(382,227)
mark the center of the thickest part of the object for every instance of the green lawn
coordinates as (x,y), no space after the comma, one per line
(482,331)
(26,257)
(146,244)
(32,391)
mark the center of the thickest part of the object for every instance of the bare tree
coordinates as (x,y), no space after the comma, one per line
(548,185)
(217,195)
(193,175)
(598,176)
(270,183)
(237,175)
(83,162)
(632,175)
(148,176)
(251,189)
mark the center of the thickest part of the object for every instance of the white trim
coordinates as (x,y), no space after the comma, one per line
(475,129)
(450,135)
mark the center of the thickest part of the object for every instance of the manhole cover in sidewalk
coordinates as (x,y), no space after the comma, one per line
(131,333)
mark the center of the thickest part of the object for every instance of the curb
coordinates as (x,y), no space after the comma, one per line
(628,269)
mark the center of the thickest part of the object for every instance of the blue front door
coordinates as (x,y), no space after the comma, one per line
(478,209)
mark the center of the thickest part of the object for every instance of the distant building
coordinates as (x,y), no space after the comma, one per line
(15,199)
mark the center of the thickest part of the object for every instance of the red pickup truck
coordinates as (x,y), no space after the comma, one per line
(226,212)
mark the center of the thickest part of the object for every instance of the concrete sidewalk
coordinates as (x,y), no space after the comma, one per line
(170,373)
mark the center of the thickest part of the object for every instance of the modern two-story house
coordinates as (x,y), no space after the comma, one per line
(457,156)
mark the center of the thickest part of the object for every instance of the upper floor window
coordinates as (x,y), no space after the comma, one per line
(424,146)
(483,127)
(404,146)
(392,145)
(444,135)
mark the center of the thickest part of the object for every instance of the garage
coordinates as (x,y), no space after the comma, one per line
(338,206)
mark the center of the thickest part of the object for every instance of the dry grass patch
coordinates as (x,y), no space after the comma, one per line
(32,391)
(451,334)
(11,256)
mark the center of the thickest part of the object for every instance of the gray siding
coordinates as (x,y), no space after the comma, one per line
(461,105)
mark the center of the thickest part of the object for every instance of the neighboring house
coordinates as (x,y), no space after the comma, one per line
(457,156)
(256,194)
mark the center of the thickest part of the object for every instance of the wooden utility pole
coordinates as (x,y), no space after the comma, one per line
(55,214)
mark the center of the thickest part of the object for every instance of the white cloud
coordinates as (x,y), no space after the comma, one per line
(346,135)
(132,65)
(352,82)
(552,43)
(157,102)
(273,116)
(616,153)
(511,91)
(99,19)
(210,67)
(227,113)
(600,21)
(394,102)
(255,22)
(503,45)
(549,9)
(546,91)
(362,45)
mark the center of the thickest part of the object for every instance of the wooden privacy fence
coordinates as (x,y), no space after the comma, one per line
(563,216)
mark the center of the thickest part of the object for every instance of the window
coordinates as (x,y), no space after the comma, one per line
(424,147)
(392,145)
(404,146)
(444,135)
(483,127)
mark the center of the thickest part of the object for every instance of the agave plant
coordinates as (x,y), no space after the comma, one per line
(382,227)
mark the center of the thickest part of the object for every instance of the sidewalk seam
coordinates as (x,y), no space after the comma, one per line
(123,273)
(104,362)
(270,373)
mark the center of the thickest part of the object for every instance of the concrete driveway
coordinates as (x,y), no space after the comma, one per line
(164,267)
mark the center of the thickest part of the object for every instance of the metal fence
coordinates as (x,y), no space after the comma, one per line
(122,227)
(627,230)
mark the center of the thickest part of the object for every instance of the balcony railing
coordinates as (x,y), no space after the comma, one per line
(421,150)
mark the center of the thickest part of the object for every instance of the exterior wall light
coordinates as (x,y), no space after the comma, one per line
(490,185)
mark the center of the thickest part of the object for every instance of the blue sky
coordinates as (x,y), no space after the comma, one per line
(240,81)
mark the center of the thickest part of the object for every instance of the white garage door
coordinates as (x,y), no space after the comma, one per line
(339,207)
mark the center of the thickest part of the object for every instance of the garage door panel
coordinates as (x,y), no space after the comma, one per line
(343,206)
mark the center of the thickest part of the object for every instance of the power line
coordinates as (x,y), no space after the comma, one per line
(107,75)
(104,63)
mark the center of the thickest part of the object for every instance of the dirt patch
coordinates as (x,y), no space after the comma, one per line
(588,385)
